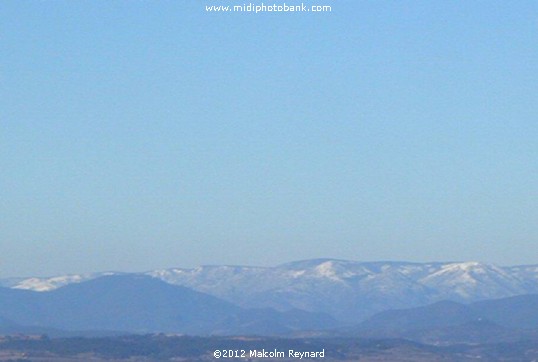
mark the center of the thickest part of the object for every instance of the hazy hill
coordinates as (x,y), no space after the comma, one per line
(138,303)
(507,319)
(512,312)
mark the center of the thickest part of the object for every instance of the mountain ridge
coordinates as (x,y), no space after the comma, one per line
(350,291)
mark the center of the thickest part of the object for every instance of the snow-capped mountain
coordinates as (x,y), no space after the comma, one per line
(348,290)
(48,284)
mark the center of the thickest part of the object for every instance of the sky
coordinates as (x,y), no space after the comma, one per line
(142,134)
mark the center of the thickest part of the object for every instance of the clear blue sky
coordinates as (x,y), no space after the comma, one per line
(145,134)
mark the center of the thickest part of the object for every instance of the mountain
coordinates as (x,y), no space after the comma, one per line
(48,284)
(349,291)
(353,291)
(512,312)
(437,315)
(506,319)
(142,304)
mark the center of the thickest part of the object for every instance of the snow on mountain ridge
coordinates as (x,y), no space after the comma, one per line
(474,280)
(48,284)
(429,274)
(346,289)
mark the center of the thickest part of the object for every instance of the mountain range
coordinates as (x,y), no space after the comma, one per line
(349,291)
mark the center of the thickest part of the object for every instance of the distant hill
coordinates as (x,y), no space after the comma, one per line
(515,312)
(440,314)
(142,304)
(512,312)
(500,320)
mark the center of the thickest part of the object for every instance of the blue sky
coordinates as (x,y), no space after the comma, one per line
(145,134)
